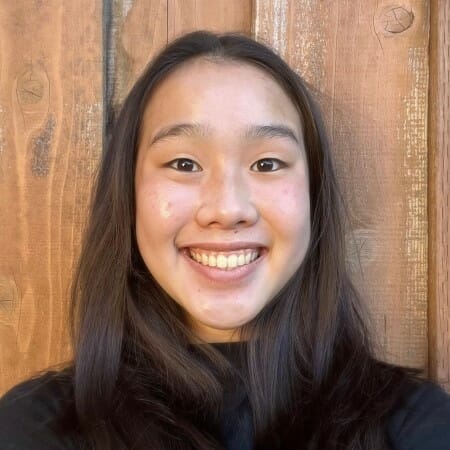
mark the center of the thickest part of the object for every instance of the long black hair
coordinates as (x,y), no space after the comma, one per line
(137,381)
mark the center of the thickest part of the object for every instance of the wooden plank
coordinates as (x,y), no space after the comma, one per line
(134,31)
(137,29)
(216,15)
(367,62)
(50,141)
(439,193)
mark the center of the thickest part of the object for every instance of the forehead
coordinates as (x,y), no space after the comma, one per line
(222,93)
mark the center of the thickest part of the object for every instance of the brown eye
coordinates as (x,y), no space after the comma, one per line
(266,164)
(182,164)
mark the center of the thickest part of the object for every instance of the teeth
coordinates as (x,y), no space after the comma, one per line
(222,261)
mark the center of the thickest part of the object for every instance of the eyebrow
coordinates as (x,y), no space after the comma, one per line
(202,130)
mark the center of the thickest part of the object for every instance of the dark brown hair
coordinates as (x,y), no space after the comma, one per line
(137,381)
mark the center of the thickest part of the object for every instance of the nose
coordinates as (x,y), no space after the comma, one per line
(225,201)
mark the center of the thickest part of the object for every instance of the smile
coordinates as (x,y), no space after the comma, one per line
(224,260)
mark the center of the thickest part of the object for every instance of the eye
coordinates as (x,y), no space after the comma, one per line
(267,163)
(181,164)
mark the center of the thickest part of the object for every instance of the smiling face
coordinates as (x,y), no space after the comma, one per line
(221,160)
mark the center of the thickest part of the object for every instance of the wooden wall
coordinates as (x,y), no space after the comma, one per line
(66,66)
(439,193)
(50,141)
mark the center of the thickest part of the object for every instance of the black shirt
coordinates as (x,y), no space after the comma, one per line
(27,414)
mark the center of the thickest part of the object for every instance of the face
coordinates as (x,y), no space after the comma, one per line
(221,172)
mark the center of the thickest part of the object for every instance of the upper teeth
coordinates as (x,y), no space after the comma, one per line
(224,260)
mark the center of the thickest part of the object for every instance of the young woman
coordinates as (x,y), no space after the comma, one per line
(211,306)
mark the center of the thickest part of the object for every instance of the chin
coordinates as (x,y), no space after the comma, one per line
(225,325)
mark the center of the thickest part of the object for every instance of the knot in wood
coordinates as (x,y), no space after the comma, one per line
(8,294)
(397,20)
(30,89)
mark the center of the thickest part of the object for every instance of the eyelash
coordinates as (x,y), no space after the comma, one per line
(281,163)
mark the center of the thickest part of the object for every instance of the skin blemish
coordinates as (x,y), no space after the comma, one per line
(166,210)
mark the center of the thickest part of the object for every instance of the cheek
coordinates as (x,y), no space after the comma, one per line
(288,204)
(294,202)
(161,206)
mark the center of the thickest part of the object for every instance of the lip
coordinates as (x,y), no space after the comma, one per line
(224,246)
(221,276)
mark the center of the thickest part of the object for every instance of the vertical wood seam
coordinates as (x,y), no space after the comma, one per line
(107,85)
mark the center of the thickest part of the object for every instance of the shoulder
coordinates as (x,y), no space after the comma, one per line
(421,419)
(31,414)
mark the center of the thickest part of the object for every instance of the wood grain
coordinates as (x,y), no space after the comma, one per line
(439,193)
(50,141)
(217,15)
(134,31)
(137,29)
(367,63)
